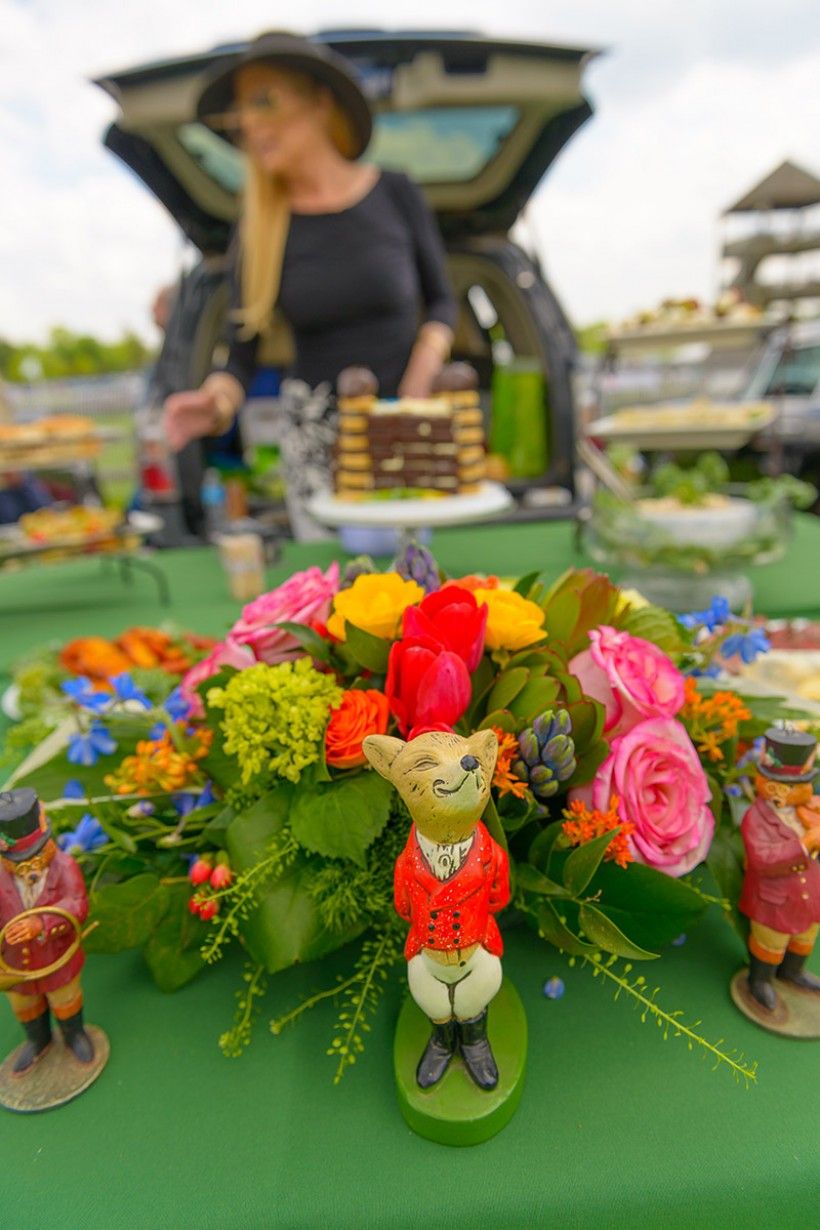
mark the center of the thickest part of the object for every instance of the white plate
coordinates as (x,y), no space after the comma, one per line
(491,499)
(652,433)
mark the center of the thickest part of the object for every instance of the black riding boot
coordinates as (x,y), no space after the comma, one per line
(76,1039)
(476,1051)
(38,1038)
(437,1055)
(791,970)
(761,974)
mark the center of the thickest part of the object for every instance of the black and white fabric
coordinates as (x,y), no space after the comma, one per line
(307,430)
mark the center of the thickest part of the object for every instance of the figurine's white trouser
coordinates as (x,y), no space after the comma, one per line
(463,991)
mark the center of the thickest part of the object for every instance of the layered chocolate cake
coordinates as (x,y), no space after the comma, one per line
(409,446)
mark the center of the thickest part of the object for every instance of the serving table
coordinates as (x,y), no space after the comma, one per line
(616,1128)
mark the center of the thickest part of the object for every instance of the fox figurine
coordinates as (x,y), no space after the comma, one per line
(450,880)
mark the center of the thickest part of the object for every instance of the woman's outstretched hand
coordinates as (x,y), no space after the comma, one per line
(189,416)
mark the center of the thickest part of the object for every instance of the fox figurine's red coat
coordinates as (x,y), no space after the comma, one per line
(459,911)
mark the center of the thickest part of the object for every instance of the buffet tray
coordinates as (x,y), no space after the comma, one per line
(16,549)
(674,426)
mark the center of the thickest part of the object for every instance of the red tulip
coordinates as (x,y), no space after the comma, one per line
(200,871)
(452,617)
(221,876)
(426,685)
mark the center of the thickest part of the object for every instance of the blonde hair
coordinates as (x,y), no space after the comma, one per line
(265,221)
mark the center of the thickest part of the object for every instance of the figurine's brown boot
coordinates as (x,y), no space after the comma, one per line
(476,1051)
(76,1039)
(761,974)
(791,970)
(38,1040)
(437,1055)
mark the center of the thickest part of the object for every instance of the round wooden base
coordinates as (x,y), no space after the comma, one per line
(797,1014)
(456,1111)
(56,1078)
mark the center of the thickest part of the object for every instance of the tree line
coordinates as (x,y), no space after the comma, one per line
(66,353)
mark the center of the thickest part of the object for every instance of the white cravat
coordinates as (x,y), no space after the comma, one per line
(29,893)
(444,858)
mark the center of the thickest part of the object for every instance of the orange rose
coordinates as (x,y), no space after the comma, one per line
(359,714)
(475,580)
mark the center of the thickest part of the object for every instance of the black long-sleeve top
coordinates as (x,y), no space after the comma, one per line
(355,286)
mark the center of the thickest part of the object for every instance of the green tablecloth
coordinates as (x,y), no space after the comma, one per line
(617,1127)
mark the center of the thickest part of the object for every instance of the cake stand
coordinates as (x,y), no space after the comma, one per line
(411,515)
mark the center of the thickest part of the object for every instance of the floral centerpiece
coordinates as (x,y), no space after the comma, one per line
(232,805)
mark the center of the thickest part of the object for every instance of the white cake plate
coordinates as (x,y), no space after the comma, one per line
(408,516)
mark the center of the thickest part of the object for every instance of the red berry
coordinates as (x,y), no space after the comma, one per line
(200,871)
(208,909)
(194,904)
(221,876)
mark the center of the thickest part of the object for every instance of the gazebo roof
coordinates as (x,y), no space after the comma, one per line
(786,187)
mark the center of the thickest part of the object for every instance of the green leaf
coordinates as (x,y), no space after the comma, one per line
(654,624)
(538,695)
(369,651)
(602,931)
(493,824)
(127,913)
(648,905)
(342,819)
(124,840)
(561,616)
(526,583)
(589,764)
(552,929)
(541,849)
(215,830)
(285,927)
(529,878)
(172,952)
(584,861)
(725,861)
(507,687)
(308,638)
(588,718)
(502,718)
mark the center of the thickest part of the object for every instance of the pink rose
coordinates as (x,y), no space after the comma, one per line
(632,679)
(661,788)
(305,598)
(225,653)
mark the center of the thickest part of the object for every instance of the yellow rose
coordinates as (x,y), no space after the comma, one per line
(513,622)
(375,603)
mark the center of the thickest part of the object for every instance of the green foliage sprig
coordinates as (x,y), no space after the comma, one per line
(242,894)
(254,984)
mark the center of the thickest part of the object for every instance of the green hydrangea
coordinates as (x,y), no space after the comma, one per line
(275,716)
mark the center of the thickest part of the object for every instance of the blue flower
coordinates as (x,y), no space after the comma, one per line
(749,645)
(716,614)
(87,749)
(708,672)
(88,835)
(416,563)
(554,988)
(176,706)
(80,690)
(74,789)
(126,689)
(187,802)
(679,940)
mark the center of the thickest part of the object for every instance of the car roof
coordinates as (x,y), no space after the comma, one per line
(477,121)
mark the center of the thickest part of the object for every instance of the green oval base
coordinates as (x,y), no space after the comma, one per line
(456,1111)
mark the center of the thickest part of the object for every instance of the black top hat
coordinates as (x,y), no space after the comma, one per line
(20,834)
(788,755)
(300,55)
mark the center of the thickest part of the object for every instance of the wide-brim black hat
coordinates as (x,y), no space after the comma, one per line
(301,56)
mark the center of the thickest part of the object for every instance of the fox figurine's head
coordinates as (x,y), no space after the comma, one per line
(443,778)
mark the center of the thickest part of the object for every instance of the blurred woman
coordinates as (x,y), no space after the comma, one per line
(350,255)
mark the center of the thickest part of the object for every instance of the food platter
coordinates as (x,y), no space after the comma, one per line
(699,424)
(16,548)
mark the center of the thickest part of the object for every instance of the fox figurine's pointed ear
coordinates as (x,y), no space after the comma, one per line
(381,751)
(484,745)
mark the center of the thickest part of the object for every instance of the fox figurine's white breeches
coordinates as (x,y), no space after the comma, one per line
(462,990)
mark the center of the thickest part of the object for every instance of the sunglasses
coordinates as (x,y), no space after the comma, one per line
(261,107)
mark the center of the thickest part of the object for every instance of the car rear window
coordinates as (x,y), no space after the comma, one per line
(433,144)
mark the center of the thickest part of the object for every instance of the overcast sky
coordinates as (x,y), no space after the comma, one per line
(693,104)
